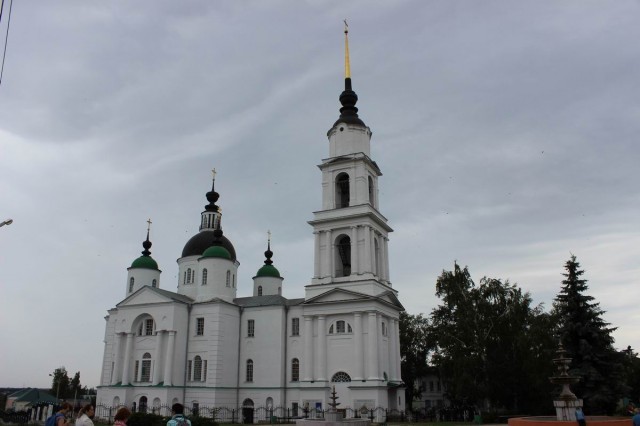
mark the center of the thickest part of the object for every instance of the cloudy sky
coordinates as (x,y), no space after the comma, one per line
(507,133)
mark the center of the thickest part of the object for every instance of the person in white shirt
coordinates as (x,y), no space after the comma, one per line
(85,415)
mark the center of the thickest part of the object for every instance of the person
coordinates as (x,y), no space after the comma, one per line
(60,418)
(178,418)
(85,415)
(636,418)
(580,417)
(120,419)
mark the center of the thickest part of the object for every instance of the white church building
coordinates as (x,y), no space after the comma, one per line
(203,346)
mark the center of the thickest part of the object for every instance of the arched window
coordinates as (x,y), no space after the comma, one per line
(131,281)
(249,370)
(204,276)
(342,190)
(197,368)
(154,283)
(341,377)
(228,278)
(145,372)
(295,370)
(259,290)
(343,256)
(234,280)
(371,191)
(340,327)
(189,279)
(142,406)
(185,277)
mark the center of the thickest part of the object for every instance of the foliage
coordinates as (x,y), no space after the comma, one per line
(492,346)
(587,338)
(201,421)
(60,383)
(414,351)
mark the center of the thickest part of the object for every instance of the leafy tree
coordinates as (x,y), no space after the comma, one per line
(414,352)
(489,339)
(75,388)
(587,338)
(60,383)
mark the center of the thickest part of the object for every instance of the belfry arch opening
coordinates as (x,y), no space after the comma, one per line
(371,192)
(342,190)
(343,256)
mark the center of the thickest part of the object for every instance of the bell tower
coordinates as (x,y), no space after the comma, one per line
(351,235)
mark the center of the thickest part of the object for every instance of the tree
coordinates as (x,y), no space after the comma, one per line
(414,352)
(489,339)
(587,338)
(60,383)
(75,388)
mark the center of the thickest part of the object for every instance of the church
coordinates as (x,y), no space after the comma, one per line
(203,346)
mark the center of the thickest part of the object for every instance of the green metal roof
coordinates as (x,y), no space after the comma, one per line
(217,251)
(268,271)
(145,262)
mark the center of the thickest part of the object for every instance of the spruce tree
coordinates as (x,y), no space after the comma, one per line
(587,338)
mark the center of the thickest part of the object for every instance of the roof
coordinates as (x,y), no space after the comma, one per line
(32,395)
(172,295)
(271,300)
(268,271)
(217,251)
(145,262)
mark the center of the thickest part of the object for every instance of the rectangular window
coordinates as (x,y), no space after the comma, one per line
(250,328)
(200,326)
(189,371)
(145,373)
(294,409)
(295,326)
(148,327)
(136,370)
(340,327)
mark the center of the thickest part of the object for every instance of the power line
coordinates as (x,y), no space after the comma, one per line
(6,37)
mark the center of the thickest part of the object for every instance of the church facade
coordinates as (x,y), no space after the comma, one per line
(204,346)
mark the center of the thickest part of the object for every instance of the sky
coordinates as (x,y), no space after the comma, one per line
(507,134)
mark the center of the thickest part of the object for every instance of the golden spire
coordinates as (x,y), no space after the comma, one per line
(347,68)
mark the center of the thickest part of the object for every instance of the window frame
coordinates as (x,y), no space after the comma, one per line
(200,326)
(251,328)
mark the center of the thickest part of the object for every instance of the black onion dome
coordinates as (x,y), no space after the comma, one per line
(205,239)
(349,111)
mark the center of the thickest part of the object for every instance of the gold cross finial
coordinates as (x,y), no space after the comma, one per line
(149,224)
(213,172)
(269,236)
(347,67)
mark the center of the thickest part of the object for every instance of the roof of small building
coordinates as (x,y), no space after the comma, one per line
(271,300)
(32,395)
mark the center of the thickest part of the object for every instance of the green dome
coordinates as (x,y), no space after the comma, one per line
(145,262)
(268,271)
(217,251)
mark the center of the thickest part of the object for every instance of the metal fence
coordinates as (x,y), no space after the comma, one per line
(257,415)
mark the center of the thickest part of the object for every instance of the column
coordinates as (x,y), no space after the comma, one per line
(308,349)
(316,255)
(357,340)
(331,254)
(385,245)
(117,360)
(367,249)
(328,260)
(322,349)
(394,351)
(396,327)
(372,346)
(168,365)
(157,370)
(355,269)
(127,359)
(373,257)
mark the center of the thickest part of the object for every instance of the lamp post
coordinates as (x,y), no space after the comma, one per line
(6,222)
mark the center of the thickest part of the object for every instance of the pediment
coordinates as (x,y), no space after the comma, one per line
(339,295)
(148,296)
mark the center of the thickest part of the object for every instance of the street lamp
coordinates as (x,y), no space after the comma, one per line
(57,388)
(7,222)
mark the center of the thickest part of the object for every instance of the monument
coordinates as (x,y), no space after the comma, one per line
(333,417)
